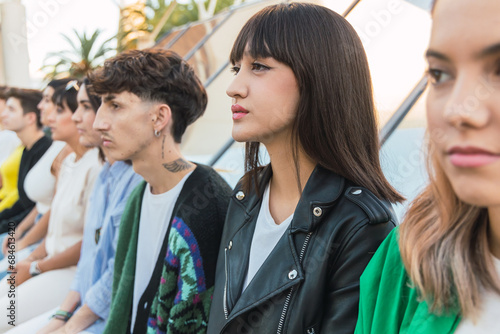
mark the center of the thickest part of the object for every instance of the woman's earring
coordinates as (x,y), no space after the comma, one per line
(157,133)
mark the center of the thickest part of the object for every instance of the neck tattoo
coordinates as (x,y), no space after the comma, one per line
(163,147)
(178,165)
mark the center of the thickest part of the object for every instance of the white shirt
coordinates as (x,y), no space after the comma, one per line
(67,215)
(265,237)
(9,141)
(156,211)
(489,317)
(39,183)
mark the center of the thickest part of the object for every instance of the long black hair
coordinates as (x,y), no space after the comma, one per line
(335,124)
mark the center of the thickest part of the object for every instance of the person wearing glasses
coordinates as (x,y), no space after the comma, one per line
(439,271)
(43,279)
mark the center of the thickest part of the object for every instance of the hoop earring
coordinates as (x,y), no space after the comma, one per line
(157,133)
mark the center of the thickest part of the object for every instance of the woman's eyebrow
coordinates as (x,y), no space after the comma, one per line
(489,51)
(436,54)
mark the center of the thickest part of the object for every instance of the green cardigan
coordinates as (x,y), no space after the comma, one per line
(388,303)
(178,297)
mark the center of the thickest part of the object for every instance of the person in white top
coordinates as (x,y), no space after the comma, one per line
(39,185)
(149,98)
(49,269)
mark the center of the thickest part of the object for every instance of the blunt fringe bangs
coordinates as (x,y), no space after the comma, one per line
(155,75)
(335,123)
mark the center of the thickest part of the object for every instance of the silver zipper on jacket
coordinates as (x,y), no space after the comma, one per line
(226,313)
(289,297)
(311,331)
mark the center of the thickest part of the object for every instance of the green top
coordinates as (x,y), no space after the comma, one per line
(388,303)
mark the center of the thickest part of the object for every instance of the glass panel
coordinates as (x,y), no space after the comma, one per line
(168,38)
(395,36)
(212,131)
(403,156)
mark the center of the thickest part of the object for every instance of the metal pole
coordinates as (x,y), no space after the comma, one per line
(402,111)
(351,7)
(221,152)
(204,40)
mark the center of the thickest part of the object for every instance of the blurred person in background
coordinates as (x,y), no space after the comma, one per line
(86,306)
(22,116)
(43,279)
(8,139)
(48,104)
(39,186)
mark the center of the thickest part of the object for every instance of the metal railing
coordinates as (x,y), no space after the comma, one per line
(403,109)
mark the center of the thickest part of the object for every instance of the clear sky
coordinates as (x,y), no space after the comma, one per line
(47,19)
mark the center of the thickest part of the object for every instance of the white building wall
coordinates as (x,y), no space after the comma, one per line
(14,58)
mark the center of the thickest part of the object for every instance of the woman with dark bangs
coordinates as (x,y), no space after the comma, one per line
(300,231)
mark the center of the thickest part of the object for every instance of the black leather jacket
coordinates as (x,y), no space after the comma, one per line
(310,281)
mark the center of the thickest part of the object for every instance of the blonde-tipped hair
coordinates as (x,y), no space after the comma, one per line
(444,246)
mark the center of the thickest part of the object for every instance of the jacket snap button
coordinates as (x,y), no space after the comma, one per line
(240,195)
(292,274)
(356,192)
(317,211)
(230,245)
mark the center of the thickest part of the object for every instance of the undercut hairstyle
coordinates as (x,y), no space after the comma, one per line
(68,95)
(155,75)
(29,99)
(57,85)
(335,124)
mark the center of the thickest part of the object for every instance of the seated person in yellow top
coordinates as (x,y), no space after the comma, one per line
(9,171)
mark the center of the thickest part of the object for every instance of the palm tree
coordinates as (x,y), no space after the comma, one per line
(80,59)
(147,20)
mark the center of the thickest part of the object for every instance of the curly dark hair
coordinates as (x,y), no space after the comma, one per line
(155,75)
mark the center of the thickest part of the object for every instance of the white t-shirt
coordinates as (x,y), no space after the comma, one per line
(489,318)
(9,141)
(39,183)
(156,211)
(265,237)
(67,215)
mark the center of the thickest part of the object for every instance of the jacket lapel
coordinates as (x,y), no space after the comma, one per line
(283,262)
(322,190)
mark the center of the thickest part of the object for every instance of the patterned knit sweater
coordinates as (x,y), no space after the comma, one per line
(178,296)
